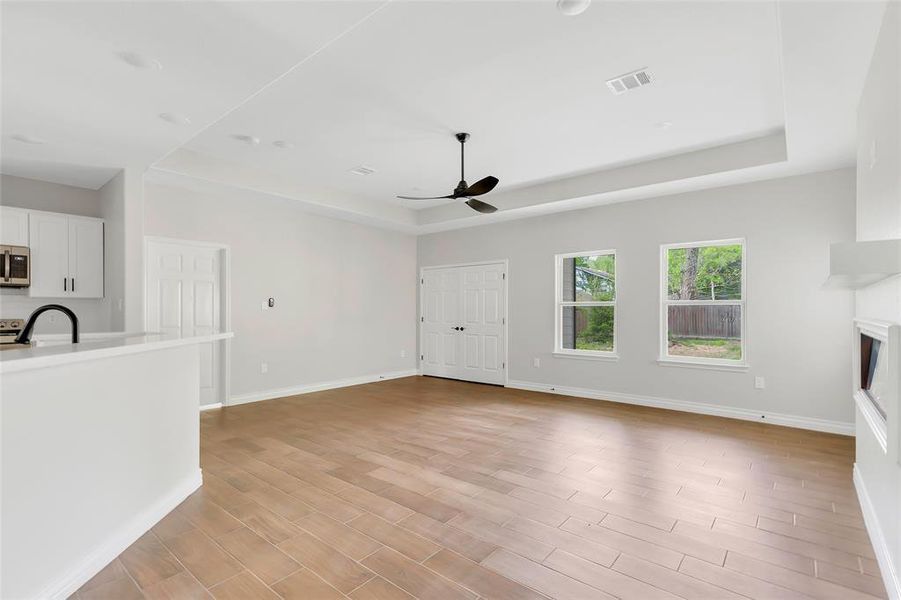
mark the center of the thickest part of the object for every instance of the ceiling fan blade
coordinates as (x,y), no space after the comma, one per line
(427,198)
(482,207)
(482,186)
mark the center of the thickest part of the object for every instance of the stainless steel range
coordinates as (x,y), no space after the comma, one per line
(9,329)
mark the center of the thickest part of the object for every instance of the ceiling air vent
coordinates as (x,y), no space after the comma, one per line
(363,170)
(629,81)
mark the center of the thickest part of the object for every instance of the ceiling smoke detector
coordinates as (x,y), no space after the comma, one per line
(629,81)
(363,170)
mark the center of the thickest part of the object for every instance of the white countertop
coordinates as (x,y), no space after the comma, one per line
(93,347)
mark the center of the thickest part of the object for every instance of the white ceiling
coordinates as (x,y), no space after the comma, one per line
(64,82)
(386,85)
(526,82)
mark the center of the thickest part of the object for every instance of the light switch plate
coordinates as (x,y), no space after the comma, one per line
(759,383)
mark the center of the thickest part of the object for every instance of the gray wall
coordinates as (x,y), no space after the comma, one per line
(52,197)
(345,293)
(797,331)
(93,315)
(879,217)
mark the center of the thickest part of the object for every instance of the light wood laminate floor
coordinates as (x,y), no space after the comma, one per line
(429,488)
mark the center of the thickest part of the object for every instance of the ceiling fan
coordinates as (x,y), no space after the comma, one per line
(464,190)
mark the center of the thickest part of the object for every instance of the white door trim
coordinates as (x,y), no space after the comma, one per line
(506,263)
(225,313)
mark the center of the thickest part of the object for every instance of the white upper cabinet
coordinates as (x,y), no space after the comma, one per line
(85,258)
(49,237)
(66,256)
(13,226)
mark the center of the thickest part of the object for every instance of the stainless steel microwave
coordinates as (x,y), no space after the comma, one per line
(15,266)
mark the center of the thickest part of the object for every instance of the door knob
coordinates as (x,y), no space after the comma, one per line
(456,329)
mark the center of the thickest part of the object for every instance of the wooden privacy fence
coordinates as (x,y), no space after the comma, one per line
(705,321)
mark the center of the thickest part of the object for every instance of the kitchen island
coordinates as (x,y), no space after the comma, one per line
(99,441)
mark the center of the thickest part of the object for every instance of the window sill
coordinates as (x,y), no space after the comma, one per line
(687,364)
(611,357)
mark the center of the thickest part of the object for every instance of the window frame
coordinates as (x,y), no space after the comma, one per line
(559,303)
(664,357)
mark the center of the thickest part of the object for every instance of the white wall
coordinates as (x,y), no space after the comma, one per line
(345,293)
(93,314)
(797,332)
(879,217)
(122,208)
(52,197)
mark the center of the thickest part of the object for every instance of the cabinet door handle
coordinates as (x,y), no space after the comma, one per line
(65,284)
(73,284)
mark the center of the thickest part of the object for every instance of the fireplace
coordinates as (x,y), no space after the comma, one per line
(876,372)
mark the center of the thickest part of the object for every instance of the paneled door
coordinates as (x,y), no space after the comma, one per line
(184,298)
(464,322)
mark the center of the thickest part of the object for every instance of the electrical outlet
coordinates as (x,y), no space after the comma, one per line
(536,362)
(759,383)
(264,367)
(121,304)
(403,354)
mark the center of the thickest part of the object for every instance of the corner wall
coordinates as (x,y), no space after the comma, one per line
(122,207)
(797,331)
(877,473)
(345,294)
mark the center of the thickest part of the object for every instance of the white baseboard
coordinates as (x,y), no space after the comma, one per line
(210,406)
(317,387)
(880,547)
(692,407)
(119,540)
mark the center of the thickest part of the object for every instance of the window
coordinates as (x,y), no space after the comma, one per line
(703,303)
(586,304)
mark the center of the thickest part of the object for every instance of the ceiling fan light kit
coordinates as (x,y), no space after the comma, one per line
(463,189)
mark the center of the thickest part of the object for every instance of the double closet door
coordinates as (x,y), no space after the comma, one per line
(464,322)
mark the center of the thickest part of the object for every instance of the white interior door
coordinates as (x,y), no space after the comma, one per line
(441,314)
(183,298)
(463,322)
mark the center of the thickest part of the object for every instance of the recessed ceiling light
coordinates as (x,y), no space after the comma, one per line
(663,124)
(362,170)
(28,139)
(175,118)
(139,61)
(571,8)
(284,144)
(247,139)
